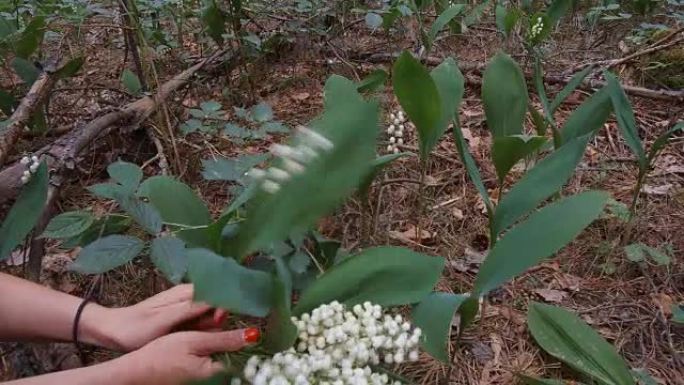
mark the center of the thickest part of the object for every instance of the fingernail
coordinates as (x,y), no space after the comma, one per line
(252,335)
(219,317)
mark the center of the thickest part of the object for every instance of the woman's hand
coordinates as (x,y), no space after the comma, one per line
(129,328)
(182,357)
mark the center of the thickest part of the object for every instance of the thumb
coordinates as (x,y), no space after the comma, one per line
(206,343)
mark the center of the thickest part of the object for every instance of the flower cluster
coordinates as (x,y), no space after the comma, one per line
(396,130)
(537,28)
(32,163)
(336,347)
(294,159)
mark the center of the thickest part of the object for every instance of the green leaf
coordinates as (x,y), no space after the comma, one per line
(434,315)
(475,14)
(637,252)
(376,167)
(642,376)
(441,21)
(538,237)
(175,201)
(504,95)
(508,150)
(26,70)
(384,275)
(510,20)
(529,380)
(589,117)
(275,128)
(222,282)
(142,212)
(210,106)
(231,169)
(7,103)
(500,16)
(69,224)
(678,313)
(449,81)
(262,112)
(662,141)
(126,174)
(191,125)
(565,336)
(71,68)
(107,253)
(350,123)
(168,255)
(131,82)
(25,212)
(625,118)
(30,38)
(111,224)
(538,184)
(373,20)
(471,166)
(419,97)
(569,88)
(372,81)
(108,190)
(557,9)
(214,20)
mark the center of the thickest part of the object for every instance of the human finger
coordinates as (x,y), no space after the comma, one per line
(205,343)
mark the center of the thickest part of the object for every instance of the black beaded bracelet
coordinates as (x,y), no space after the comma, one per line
(74,329)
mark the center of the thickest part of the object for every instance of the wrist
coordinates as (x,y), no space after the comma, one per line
(95,327)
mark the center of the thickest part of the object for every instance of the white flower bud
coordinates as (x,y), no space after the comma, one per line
(35,159)
(395,150)
(393,116)
(413,356)
(278,175)
(25,179)
(400,141)
(389,359)
(314,139)
(392,139)
(235,381)
(399,134)
(293,167)
(27,173)
(25,160)
(396,122)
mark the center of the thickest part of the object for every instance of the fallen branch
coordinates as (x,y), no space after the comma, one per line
(39,91)
(64,153)
(588,84)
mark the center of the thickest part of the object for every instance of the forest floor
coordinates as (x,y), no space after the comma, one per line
(628,304)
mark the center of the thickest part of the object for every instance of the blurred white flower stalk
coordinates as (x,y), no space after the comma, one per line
(337,346)
(294,159)
(32,163)
(396,131)
(537,28)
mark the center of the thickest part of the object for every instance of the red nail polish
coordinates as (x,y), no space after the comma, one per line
(252,335)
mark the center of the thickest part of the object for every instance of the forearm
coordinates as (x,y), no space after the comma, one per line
(29,311)
(112,372)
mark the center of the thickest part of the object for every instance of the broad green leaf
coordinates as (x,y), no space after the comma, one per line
(69,224)
(637,252)
(625,118)
(108,190)
(642,376)
(111,224)
(7,103)
(468,310)
(565,336)
(142,212)
(471,166)
(30,38)
(589,117)
(434,315)
(662,141)
(538,184)
(262,112)
(449,82)
(373,81)
(25,212)
(168,255)
(131,82)
(678,313)
(376,167)
(175,201)
(558,8)
(383,275)
(510,20)
(71,68)
(475,14)
(210,106)
(126,174)
(500,16)
(504,95)
(214,20)
(26,70)
(538,120)
(508,150)
(538,237)
(441,21)
(569,88)
(373,20)
(222,282)
(529,380)
(241,197)
(350,124)
(107,253)
(231,169)
(419,97)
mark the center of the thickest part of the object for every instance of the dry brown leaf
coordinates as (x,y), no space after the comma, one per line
(664,303)
(431,181)
(18,257)
(568,282)
(458,213)
(473,142)
(412,235)
(550,295)
(511,315)
(299,96)
(656,190)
